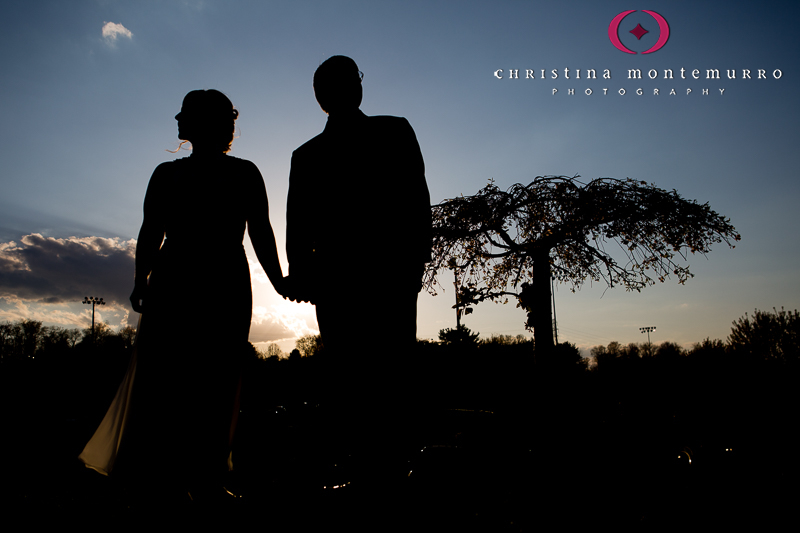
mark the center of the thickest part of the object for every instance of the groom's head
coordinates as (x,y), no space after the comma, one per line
(337,85)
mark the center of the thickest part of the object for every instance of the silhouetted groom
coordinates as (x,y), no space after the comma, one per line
(358,230)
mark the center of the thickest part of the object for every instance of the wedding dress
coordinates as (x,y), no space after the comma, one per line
(175,411)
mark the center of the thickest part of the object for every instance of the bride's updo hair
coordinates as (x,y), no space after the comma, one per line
(208,117)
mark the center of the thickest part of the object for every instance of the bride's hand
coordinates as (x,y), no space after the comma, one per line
(137,299)
(281,286)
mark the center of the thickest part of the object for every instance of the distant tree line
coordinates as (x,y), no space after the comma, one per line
(765,336)
(29,339)
(60,380)
(661,383)
(501,372)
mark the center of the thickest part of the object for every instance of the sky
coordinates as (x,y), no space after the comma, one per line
(89,90)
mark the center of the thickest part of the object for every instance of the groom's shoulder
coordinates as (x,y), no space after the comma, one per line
(388,121)
(390,126)
(310,145)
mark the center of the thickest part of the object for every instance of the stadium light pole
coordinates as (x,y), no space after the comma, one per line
(94,301)
(647,329)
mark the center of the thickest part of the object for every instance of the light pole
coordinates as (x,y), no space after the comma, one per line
(647,329)
(459,308)
(555,322)
(94,301)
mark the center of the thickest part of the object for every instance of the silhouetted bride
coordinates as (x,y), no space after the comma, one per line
(175,420)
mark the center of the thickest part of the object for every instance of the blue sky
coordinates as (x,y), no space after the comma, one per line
(87,117)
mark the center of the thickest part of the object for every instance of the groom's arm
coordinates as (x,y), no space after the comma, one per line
(421,200)
(299,228)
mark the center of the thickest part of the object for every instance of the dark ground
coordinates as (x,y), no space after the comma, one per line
(561,455)
(474,475)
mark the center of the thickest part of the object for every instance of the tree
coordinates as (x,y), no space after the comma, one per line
(29,338)
(564,357)
(308,345)
(709,351)
(669,351)
(505,340)
(54,339)
(74,336)
(512,243)
(10,339)
(771,336)
(128,336)
(615,352)
(272,350)
(460,336)
(102,331)
(31,331)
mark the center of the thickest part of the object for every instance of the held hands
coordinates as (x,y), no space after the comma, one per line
(284,286)
(290,290)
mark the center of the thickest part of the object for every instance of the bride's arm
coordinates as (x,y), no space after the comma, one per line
(151,235)
(147,246)
(261,233)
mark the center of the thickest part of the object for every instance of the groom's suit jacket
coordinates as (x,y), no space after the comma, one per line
(358,210)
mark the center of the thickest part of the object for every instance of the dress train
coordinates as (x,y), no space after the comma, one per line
(100,452)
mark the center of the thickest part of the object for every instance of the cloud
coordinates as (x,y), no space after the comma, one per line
(281,322)
(48,270)
(113,31)
(44,278)
(60,315)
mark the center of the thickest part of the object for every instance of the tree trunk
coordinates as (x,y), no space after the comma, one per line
(540,315)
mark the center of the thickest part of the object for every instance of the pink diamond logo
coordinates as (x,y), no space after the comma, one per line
(638,31)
